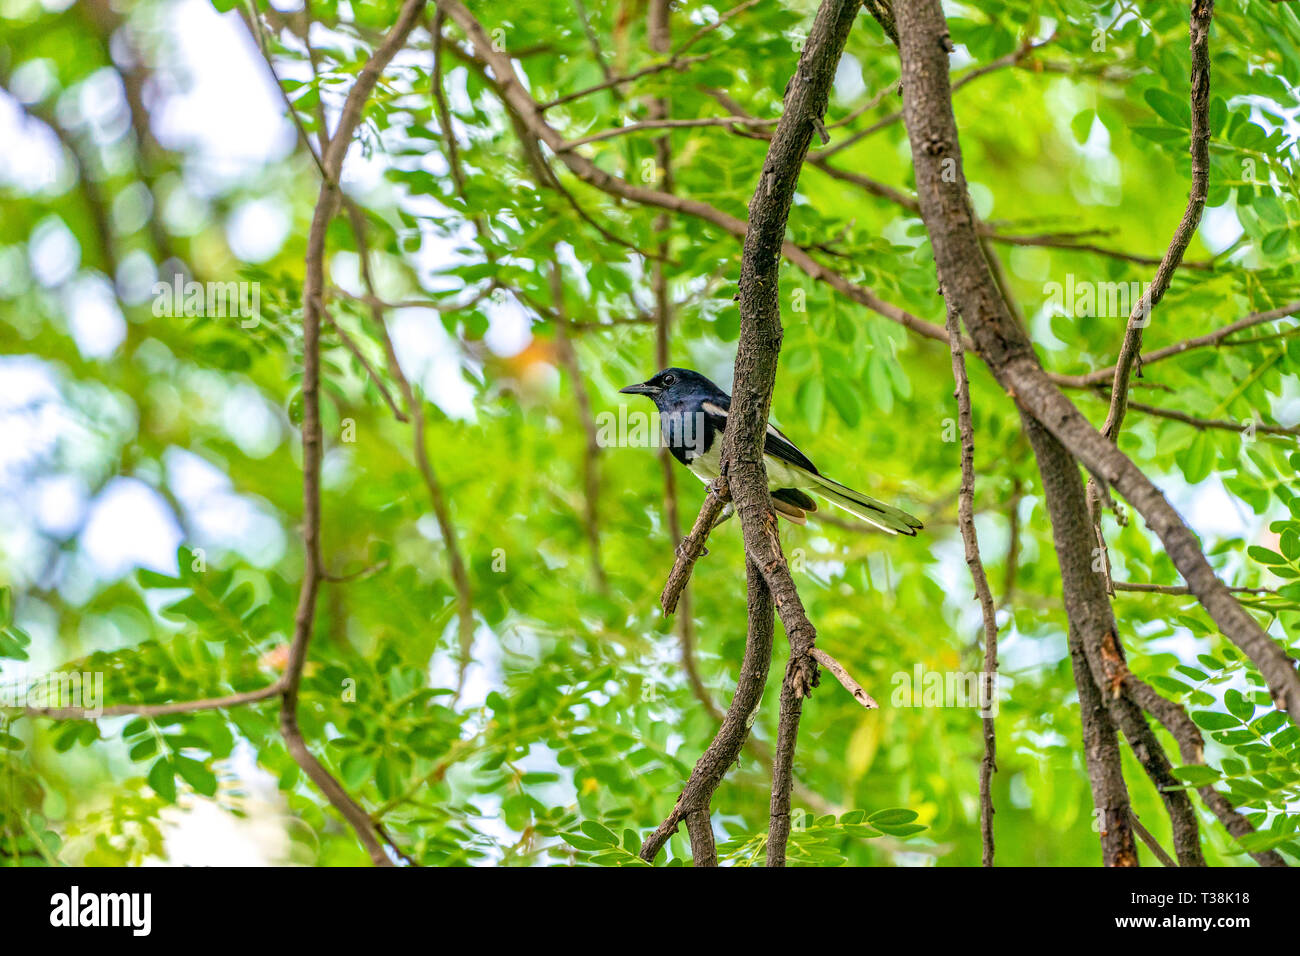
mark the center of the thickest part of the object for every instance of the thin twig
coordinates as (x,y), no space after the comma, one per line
(352,347)
(1176,589)
(1211,339)
(1152,843)
(970,540)
(663,124)
(844,677)
(433,304)
(312,300)
(671,64)
(420,451)
(591,449)
(157,710)
(498,70)
(1201,13)
(708,28)
(1010,59)
(659,32)
(1201,424)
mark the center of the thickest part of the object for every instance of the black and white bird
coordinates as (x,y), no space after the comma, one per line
(693,416)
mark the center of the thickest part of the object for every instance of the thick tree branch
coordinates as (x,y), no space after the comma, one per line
(1191,748)
(1006,349)
(806,98)
(969,288)
(741,456)
(725,747)
(1004,346)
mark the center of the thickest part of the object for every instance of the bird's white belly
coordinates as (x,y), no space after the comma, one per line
(779,475)
(706,466)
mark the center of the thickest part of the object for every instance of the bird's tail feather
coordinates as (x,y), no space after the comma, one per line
(883,516)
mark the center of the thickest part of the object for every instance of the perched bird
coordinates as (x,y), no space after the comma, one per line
(692,418)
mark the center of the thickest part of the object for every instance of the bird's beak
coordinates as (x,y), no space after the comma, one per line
(645,388)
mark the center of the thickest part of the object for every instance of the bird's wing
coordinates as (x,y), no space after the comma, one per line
(774,444)
(777,446)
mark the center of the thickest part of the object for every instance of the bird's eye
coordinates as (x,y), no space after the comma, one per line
(669,379)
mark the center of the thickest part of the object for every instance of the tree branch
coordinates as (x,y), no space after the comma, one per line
(663,124)
(1201,13)
(725,747)
(1191,748)
(806,98)
(1009,354)
(692,546)
(970,540)
(670,64)
(1004,346)
(312,302)
(158,710)
(969,288)
(355,349)
(1103,375)
(420,451)
(525,109)
(659,32)
(591,452)
(844,677)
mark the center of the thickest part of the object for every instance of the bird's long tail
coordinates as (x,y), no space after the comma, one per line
(883,516)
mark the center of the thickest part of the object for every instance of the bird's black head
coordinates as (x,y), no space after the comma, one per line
(672,385)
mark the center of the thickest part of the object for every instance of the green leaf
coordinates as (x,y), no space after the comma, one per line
(356,769)
(1266,556)
(631,841)
(845,400)
(144,749)
(892,817)
(581,842)
(152,579)
(1196,775)
(1170,108)
(899,830)
(599,832)
(163,780)
(1197,459)
(1212,720)
(1276,242)
(196,775)
(1237,705)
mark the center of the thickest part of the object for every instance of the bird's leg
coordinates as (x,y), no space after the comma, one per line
(728,510)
